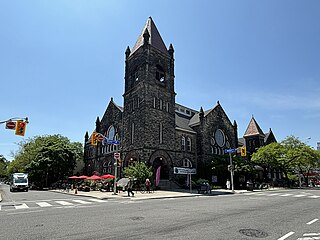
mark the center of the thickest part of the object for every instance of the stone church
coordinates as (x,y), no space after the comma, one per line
(153,128)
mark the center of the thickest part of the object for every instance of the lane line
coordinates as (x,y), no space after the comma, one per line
(15,213)
(311,234)
(301,195)
(312,221)
(286,236)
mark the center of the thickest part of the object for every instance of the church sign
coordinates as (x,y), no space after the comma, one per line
(180,170)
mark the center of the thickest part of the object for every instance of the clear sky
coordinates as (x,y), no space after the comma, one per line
(61,61)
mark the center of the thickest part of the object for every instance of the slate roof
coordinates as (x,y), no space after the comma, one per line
(182,122)
(253,129)
(155,38)
(195,120)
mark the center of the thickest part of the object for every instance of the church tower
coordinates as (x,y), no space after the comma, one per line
(149,97)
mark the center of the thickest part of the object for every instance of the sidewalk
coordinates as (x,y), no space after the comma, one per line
(143,196)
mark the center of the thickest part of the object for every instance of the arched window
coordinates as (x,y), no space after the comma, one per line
(160,74)
(111,132)
(187,163)
(183,144)
(189,144)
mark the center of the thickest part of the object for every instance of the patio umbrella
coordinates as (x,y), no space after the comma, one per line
(73,177)
(83,177)
(107,176)
(94,177)
(123,182)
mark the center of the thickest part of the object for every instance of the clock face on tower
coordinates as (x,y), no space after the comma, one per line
(219,137)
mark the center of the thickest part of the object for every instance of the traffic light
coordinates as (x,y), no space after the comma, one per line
(94,138)
(21,127)
(243,151)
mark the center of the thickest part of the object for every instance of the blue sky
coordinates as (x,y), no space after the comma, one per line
(61,61)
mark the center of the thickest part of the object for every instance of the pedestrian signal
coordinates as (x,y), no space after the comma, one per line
(243,151)
(94,138)
(21,127)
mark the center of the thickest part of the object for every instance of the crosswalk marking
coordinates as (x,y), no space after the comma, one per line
(81,201)
(64,203)
(285,195)
(301,195)
(43,204)
(97,200)
(274,194)
(314,196)
(21,206)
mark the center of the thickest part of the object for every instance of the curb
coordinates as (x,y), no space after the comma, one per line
(0,197)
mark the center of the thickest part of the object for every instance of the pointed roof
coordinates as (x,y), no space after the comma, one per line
(253,128)
(155,39)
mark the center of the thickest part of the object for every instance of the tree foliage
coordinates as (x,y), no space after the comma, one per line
(139,171)
(3,166)
(290,155)
(47,158)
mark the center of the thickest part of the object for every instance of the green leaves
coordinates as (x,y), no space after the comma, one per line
(138,170)
(47,158)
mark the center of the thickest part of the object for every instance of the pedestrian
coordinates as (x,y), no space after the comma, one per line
(130,186)
(148,185)
(228,184)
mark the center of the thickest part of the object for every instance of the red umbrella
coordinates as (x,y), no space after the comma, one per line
(94,177)
(83,177)
(107,176)
(73,177)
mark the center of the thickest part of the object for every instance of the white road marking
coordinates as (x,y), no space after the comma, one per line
(286,195)
(311,234)
(301,195)
(64,203)
(81,201)
(286,236)
(314,196)
(274,194)
(43,204)
(96,200)
(22,206)
(313,221)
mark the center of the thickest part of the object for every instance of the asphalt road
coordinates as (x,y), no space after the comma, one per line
(276,215)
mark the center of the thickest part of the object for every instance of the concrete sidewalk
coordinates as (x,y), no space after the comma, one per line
(143,196)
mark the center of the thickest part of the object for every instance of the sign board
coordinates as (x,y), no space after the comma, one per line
(214,179)
(10,125)
(180,170)
(116,155)
(232,150)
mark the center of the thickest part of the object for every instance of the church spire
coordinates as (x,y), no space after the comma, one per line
(151,34)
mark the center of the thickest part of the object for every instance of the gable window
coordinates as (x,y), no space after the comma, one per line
(161,103)
(132,132)
(167,107)
(154,102)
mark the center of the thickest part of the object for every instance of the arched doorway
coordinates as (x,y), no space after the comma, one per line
(164,169)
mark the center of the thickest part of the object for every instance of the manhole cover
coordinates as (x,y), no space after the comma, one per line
(253,233)
(137,218)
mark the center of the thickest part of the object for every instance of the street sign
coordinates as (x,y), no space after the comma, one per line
(100,138)
(180,170)
(10,125)
(232,150)
(114,142)
(116,155)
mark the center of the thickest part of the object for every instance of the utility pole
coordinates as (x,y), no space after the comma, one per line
(231,171)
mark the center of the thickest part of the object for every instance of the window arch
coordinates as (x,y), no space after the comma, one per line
(183,143)
(189,144)
(187,163)
(160,73)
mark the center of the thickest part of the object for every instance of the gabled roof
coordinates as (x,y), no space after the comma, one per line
(155,38)
(182,123)
(253,129)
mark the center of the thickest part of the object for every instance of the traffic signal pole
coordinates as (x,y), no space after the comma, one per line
(231,172)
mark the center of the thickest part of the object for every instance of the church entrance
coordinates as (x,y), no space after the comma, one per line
(160,164)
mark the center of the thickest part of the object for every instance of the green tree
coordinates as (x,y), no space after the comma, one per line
(3,166)
(47,158)
(138,170)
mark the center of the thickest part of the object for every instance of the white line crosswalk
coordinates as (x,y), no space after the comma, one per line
(50,203)
(281,194)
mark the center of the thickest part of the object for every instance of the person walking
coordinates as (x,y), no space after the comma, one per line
(228,184)
(148,185)
(130,186)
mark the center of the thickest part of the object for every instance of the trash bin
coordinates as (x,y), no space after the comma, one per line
(249,186)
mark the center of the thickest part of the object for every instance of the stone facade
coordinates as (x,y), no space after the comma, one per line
(152,127)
